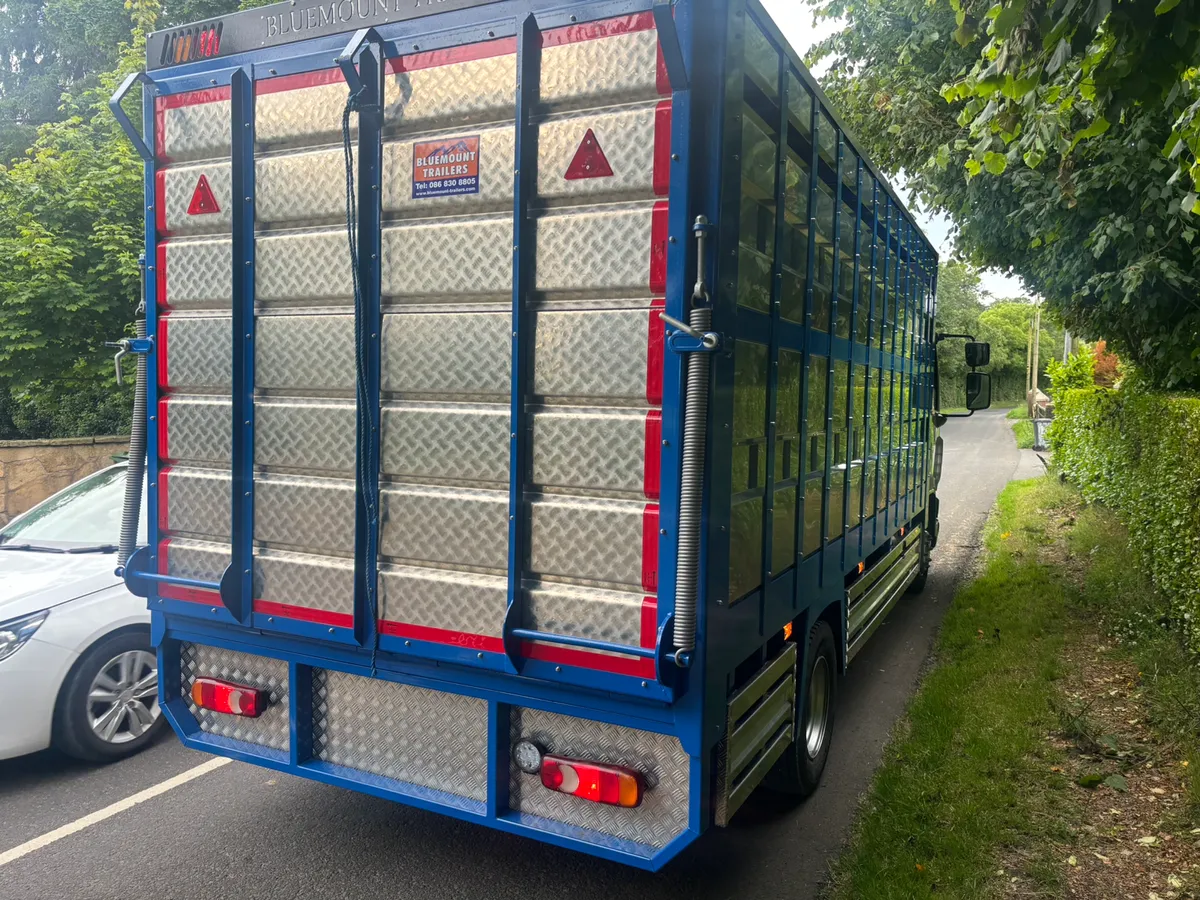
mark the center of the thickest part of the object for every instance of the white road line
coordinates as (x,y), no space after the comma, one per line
(111,810)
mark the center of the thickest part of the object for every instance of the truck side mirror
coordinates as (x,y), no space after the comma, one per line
(979,390)
(978,354)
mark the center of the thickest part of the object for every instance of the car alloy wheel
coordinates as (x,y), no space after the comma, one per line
(123,697)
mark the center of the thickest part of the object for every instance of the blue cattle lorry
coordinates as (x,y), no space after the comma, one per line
(538,406)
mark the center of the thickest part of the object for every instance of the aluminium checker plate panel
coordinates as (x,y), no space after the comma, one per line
(446,285)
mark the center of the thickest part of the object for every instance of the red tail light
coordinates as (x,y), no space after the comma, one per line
(224,697)
(600,783)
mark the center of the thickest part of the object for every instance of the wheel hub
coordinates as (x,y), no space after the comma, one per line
(123,698)
(817,718)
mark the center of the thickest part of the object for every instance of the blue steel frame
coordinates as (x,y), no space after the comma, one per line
(691,705)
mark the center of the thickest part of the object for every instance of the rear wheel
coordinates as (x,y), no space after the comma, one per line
(798,771)
(108,705)
(918,584)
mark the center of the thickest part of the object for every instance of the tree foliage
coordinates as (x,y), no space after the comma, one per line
(1093,225)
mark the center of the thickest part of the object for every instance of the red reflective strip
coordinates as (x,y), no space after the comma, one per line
(160,281)
(162,499)
(662,149)
(431,59)
(163,450)
(442,636)
(650,622)
(189,595)
(652,467)
(160,201)
(194,98)
(659,226)
(591,31)
(654,353)
(650,547)
(160,351)
(300,80)
(633,666)
(304,613)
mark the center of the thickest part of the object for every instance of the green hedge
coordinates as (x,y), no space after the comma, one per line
(1139,453)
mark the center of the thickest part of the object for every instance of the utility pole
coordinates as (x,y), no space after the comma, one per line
(1037,343)
(1066,345)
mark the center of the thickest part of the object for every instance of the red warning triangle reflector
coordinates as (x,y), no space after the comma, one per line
(203,201)
(589,161)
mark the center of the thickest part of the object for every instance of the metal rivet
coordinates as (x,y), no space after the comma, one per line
(150,207)
(671,240)
(247,493)
(270,619)
(574,19)
(214,610)
(152,418)
(514,334)
(331,631)
(247,199)
(666,443)
(160,601)
(512,518)
(212,81)
(479,656)
(662,531)
(558,668)
(152,484)
(272,71)
(491,34)
(675,157)
(416,46)
(645,684)
(247,572)
(248,337)
(513,435)
(247,262)
(408,643)
(374,335)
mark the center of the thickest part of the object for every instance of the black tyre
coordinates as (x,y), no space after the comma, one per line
(798,771)
(108,705)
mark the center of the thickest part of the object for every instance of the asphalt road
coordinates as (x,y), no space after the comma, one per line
(241,831)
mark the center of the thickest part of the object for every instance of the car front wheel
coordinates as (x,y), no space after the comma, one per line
(108,707)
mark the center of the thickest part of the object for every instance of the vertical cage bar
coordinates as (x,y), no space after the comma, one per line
(237,588)
(852,412)
(524,261)
(150,298)
(809,275)
(830,387)
(368,321)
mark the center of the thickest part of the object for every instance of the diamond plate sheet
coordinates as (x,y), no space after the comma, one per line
(198,429)
(591,540)
(280,576)
(663,813)
(605,252)
(497,150)
(308,513)
(594,354)
(447,353)
(453,258)
(429,738)
(197,501)
(436,598)
(452,526)
(312,353)
(271,729)
(627,139)
(199,131)
(278,202)
(179,186)
(480,90)
(305,434)
(303,115)
(614,616)
(604,72)
(590,449)
(457,443)
(199,274)
(313,266)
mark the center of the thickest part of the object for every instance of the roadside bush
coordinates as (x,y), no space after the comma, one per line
(1077,372)
(1139,453)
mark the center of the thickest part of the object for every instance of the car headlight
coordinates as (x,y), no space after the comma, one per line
(15,632)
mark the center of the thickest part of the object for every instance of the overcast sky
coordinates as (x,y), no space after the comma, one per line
(794,19)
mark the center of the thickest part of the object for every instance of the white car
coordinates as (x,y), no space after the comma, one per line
(77,671)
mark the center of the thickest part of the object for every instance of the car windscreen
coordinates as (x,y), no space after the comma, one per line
(88,513)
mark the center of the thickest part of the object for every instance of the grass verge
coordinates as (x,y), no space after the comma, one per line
(977,794)
(1023,432)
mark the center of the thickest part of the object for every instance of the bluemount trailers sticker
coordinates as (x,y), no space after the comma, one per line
(446,168)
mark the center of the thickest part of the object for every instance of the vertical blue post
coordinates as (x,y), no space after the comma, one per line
(852,411)
(237,585)
(830,387)
(781,125)
(150,297)
(524,279)
(870,503)
(814,161)
(368,321)
(498,764)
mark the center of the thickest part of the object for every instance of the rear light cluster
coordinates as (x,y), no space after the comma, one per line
(598,782)
(225,697)
(192,43)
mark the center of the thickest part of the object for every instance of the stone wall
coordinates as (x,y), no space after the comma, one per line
(30,471)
